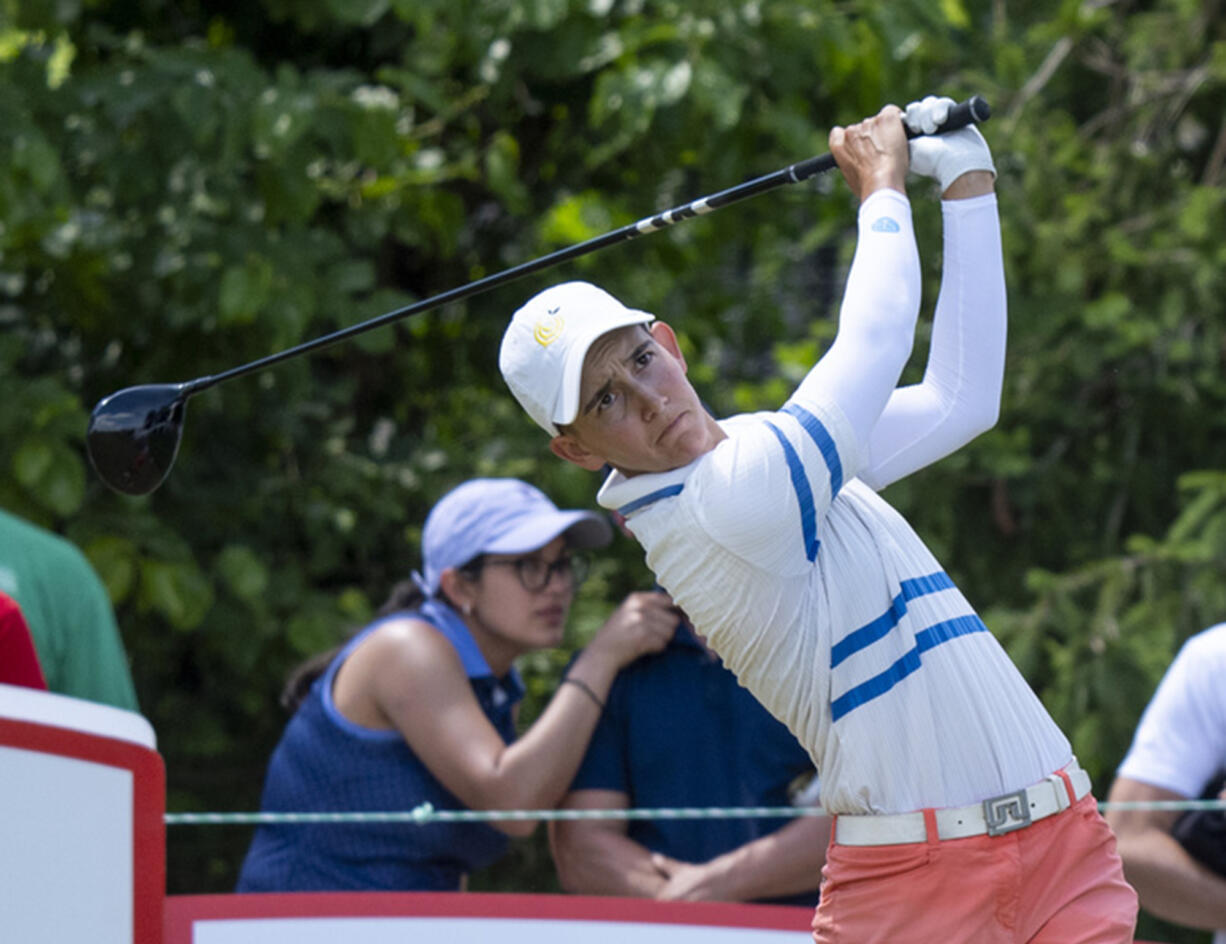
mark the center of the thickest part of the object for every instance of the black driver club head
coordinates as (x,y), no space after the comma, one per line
(134,436)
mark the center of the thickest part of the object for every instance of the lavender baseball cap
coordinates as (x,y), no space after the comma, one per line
(499,516)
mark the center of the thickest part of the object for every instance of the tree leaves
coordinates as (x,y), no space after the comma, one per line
(53,470)
(175,590)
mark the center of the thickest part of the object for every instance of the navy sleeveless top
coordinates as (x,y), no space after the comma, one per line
(325,762)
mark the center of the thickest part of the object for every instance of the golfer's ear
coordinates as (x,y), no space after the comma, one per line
(567,447)
(665,337)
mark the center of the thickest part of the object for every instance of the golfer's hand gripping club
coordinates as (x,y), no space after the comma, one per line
(943,157)
(960,115)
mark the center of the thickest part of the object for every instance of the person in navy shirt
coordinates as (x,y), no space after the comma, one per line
(680,731)
(419,707)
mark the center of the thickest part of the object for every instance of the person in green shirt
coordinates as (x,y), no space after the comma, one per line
(70,615)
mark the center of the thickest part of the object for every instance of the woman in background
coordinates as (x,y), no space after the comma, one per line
(419,707)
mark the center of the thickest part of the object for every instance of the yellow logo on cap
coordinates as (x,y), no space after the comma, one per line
(549,328)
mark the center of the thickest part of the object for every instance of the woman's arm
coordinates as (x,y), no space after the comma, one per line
(420,687)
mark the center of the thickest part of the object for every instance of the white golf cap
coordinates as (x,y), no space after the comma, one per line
(544,346)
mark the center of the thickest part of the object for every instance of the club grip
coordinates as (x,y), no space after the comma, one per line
(975,110)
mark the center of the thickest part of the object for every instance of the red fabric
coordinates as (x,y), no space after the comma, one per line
(18,660)
(1058,881)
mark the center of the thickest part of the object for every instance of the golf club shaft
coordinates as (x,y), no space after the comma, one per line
(974,109)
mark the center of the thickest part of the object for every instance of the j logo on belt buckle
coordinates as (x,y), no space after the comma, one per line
(1007,812)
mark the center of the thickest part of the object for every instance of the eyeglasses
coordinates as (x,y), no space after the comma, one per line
(535,574)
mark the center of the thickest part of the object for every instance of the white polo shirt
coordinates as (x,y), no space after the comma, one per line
(1180,742)
(830,609)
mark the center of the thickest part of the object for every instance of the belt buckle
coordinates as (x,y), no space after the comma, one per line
(1007,812)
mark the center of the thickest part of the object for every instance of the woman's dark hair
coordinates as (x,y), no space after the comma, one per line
(303,676)
(405,595)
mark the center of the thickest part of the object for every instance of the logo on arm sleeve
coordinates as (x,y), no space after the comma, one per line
(885,224)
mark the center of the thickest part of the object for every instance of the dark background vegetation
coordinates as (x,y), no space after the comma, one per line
(186,186)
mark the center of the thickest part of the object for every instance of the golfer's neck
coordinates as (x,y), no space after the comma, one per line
(713,437)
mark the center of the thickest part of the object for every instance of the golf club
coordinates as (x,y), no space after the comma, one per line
(134,434)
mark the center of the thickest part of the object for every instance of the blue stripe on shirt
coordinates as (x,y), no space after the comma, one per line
(667,492)
(933,636)
(804,494)
(869,633)
(881,683)
(823,440)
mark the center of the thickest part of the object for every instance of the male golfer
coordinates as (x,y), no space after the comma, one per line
(961,814)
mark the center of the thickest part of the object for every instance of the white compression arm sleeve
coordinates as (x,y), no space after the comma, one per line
(959,397)
(876,321)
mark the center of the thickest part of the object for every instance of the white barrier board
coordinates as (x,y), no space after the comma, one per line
(477,931)
(82,842)
(473,918)
(67,829)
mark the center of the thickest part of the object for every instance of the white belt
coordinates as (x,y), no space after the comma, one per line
(994,816)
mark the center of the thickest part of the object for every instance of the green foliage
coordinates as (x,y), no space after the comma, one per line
(185,187)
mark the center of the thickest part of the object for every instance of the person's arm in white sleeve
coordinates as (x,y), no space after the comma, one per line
(959,396)
(881,300)
(823,428)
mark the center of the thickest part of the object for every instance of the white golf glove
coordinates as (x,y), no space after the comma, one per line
(944,157)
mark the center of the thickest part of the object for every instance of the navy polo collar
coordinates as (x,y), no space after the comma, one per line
(448,622)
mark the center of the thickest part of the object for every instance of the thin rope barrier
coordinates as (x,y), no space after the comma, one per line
(426,814)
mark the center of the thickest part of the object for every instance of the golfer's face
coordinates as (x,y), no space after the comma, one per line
(637,410)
